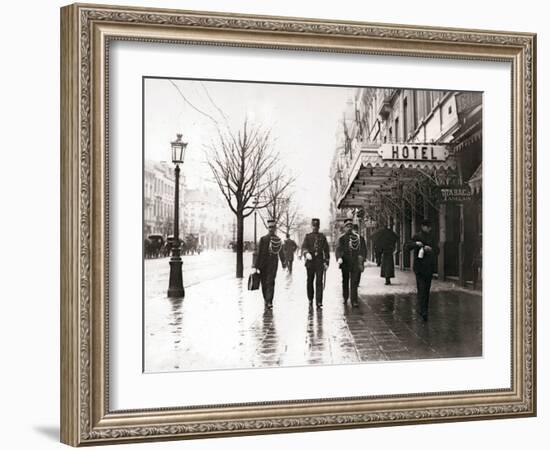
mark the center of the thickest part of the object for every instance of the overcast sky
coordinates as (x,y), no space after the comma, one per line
(303,120)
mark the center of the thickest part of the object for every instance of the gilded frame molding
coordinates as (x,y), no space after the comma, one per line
(86,31)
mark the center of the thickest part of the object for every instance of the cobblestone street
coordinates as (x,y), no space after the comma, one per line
(222,325)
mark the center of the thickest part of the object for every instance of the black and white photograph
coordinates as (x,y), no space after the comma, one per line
(294,225)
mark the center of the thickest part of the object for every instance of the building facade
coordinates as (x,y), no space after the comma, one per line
(158,198)
(208,217)
(405,155)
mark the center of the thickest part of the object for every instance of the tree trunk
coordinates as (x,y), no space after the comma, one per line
(240,243)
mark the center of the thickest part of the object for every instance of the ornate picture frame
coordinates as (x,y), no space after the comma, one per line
(86,33)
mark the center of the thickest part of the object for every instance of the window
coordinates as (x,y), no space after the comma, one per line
(416,109)
(396,127)
(405,119)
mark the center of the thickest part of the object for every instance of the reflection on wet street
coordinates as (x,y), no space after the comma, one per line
(222,325)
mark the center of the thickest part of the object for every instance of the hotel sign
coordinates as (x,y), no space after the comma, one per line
(413,152)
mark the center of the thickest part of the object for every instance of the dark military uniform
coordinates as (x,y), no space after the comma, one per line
(423,267)
(316,245)
(289,247)
(269,253)
(353,250)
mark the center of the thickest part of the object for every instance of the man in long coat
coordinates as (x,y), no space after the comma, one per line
(425,254)
(316,252)
(350,255)
(377,251)
(385,242)
(289,248)
(269,253)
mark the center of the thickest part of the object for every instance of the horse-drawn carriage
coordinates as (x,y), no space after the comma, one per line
(153,246)
(156,246)
(191,245)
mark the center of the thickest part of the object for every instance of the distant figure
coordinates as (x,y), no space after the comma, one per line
(316,252)
(289,248)
(425,253)
(350,254)
(269,253)
(385,243)
(377,250)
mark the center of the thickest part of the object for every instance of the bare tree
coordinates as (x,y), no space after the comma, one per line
(276,196)
(290,217)
(240,162)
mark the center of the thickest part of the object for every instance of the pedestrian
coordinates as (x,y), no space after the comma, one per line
(289,248)
(350,254)
(386,240)
(377,250)
(316,252)
(269,253)
(425,253)
(363,253)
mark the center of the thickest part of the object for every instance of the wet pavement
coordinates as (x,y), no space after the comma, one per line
(222,325)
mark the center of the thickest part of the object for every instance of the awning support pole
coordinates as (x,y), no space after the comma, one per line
(442,240)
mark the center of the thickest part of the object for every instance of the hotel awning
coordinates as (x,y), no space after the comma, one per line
(371,174)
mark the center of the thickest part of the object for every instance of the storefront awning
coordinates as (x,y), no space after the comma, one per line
(370,173)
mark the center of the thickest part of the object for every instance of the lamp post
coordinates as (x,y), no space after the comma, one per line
(175,285)
(255,254)
(256,200)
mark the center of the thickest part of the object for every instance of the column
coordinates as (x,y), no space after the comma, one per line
(461,233)
(397,230)
(402,235)
(442,240)
(461,277)
(413,225)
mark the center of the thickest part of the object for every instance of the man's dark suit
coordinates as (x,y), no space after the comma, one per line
(423,267)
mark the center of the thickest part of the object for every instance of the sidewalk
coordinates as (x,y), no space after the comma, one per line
(403,283)
(222,325)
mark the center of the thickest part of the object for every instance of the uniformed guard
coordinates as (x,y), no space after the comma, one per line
(316,252)
(289,248)
(269,253)
(351,252)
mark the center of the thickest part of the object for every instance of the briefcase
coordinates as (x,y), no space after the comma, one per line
(253,281)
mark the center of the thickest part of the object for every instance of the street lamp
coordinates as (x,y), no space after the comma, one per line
(256,200)
(255,254)
(175,285)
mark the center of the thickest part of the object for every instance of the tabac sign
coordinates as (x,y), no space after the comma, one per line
(413,152)
(454,193)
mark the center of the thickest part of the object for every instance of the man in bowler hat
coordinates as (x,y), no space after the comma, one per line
(315,250)
(425,253)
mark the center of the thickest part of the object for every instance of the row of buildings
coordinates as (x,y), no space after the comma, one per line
(203,212)
(404,155)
